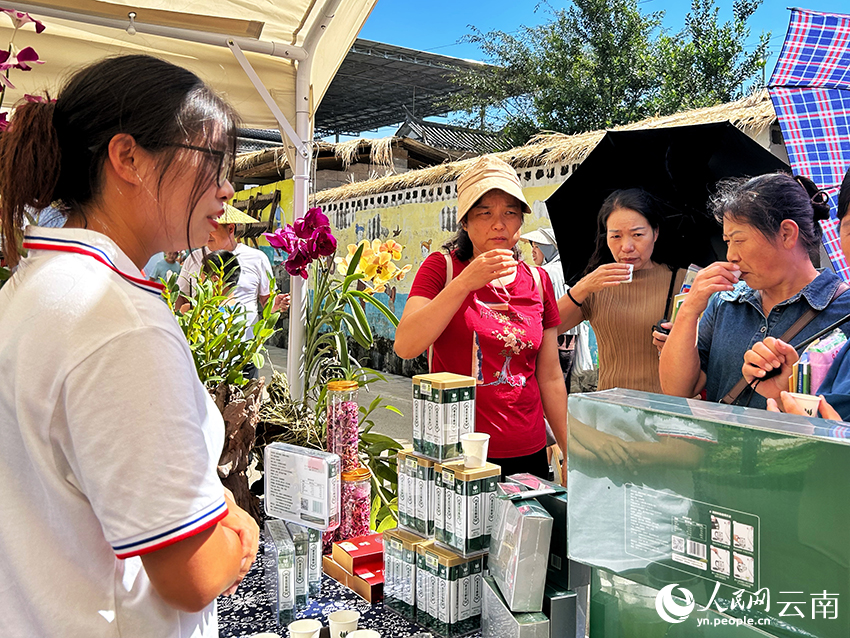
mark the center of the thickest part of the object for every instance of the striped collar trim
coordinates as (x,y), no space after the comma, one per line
(39,240)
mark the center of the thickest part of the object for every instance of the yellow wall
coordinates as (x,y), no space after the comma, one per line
(416,226)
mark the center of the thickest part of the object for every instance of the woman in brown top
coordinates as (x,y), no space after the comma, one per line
(623,306)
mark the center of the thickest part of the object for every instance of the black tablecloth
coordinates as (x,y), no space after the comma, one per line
(249,610)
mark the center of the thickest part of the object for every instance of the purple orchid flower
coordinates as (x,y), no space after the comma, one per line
(315,218)
(19,19)
(24,58)
(325,242)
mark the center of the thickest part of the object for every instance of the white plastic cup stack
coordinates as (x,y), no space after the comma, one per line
(343,621)
(308,628)
(474,446)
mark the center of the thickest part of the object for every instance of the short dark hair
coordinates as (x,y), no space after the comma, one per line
(764,202)
(635,199)
(60,147)
(224,264)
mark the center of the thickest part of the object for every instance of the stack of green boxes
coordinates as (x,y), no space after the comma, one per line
(439,584)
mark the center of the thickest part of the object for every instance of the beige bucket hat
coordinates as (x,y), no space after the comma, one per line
(233,215)
(486,174)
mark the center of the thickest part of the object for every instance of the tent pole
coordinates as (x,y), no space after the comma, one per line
(274,49)
(303,128)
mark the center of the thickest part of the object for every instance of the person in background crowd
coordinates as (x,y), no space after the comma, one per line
(114,518)
(622,308)
(166,268)
(487,317)
(774,353)
(766,284)
(252,292)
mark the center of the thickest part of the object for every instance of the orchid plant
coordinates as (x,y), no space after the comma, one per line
(337,309)
(14,58)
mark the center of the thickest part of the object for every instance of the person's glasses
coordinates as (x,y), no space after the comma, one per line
(225,161)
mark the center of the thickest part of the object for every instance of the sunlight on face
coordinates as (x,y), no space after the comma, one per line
(494,222)
(631,239)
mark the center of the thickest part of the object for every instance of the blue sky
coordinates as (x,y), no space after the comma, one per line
(439,25)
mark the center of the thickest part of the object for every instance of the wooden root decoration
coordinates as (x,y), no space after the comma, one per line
(240,408)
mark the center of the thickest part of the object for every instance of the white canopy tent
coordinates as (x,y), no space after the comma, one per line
(273,60)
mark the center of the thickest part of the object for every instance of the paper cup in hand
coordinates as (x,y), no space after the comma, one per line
(305,629)
(474,446)
(807,402)
(343,622)
(631,273)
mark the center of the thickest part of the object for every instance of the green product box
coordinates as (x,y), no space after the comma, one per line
(439,505)
(467,493)
(498,621)
(301,540)
(279,568)
(444,409)
(315,563)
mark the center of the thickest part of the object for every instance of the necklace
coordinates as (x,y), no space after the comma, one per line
(507,296)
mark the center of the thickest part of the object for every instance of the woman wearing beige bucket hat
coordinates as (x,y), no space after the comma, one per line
(489,315)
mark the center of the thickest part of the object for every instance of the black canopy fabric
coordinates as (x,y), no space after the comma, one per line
(680,166)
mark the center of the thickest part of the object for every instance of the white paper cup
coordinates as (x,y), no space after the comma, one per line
(344,620)
(808,402)
(308,628)
(364,633)
(631,273)
(474,446)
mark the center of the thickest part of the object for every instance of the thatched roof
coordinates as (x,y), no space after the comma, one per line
(752,115)
(270,164)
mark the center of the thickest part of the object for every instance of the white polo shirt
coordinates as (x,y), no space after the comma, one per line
(255,270)
(109,444)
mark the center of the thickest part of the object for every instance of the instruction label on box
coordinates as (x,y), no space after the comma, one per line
(698,538)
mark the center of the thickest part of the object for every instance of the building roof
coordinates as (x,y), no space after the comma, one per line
(271,164)
(376,81)
(450,137)
(752,115)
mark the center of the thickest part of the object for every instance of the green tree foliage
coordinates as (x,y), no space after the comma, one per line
(601,63)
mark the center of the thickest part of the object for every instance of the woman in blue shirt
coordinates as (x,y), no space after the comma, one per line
(774,353)
(766,284)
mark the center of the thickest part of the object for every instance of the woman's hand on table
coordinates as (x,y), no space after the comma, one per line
(487,267)
(790,406)
(246,527)
(766,356)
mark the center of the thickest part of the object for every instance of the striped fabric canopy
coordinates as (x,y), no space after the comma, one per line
(810,90)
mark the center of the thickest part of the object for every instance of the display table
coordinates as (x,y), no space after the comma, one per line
(249,611)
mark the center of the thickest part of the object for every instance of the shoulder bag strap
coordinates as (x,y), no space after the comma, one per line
(536,274)
(449,277)
(670,295)
(789,334)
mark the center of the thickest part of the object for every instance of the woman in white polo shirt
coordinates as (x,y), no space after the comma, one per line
(114,521)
